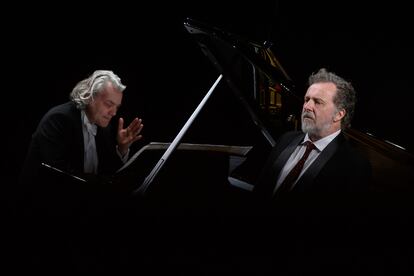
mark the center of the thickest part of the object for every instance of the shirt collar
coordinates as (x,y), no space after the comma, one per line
(89,126)
(321,144)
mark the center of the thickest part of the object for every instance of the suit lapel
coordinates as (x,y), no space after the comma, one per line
(280,161)
(311,173)
(285,154)
(78,136)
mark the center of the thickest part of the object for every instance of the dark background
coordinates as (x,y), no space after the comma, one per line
(48,49)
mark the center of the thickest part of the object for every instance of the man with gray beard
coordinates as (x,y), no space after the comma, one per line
(318,159)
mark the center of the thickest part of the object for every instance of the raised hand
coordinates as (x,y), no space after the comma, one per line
(127,136)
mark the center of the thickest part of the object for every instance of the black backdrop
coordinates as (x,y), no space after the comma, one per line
(49,48)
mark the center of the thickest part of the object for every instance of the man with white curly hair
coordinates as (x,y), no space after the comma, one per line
(75,136)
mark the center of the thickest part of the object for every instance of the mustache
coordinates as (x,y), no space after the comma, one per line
(307,114)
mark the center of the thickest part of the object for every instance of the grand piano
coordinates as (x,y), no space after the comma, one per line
(255,101)
(251,103)
(262,99)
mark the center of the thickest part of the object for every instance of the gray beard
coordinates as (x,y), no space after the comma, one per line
(313,131)
(310,129)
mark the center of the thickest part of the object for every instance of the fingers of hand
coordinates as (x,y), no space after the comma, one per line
(132,133)
(120,124)
(135,129)
(135,123)
(136,138)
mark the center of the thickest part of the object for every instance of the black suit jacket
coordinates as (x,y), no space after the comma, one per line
(58,141)
(339,168)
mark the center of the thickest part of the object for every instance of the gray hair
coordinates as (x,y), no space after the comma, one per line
(345,97)
(86,89)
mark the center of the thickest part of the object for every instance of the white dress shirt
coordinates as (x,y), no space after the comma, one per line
(90,156)
(298,153)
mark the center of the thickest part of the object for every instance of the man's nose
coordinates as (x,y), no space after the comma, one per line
(112,111)
(307,105)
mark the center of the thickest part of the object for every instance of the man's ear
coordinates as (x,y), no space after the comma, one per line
(339,115)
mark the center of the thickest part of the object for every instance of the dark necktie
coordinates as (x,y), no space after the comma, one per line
(287,184)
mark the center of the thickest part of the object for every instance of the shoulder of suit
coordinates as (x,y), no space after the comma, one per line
(67,108)
(291,135)
(62,113)
(356,154)
(287,137)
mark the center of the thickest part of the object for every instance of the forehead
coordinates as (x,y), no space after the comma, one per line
(323,90)
(109,92)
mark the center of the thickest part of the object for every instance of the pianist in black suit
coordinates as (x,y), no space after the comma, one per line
(76,136)
(333,165)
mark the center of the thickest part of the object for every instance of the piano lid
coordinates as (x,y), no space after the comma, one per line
(254,74)
(225,46)
(266,90)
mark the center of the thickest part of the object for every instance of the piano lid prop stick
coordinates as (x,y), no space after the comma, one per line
(143,188)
